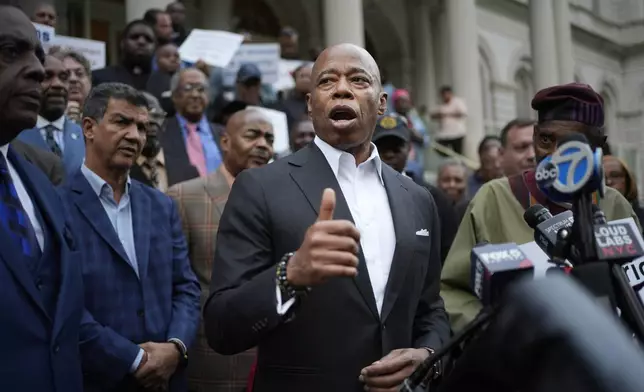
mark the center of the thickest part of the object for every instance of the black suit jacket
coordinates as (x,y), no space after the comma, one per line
(447,214)
(45,160)
(337,329)
(136,173)
(177,163)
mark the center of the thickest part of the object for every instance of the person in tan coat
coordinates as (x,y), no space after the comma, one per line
(246,143)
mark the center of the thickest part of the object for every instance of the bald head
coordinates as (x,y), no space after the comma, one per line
(346,98)
(239,119)
(248,141)
(344,50)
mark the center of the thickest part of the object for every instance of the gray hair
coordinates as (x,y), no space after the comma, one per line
(62,54)
(153,102)
(98,99)
(176,78)
(451,162)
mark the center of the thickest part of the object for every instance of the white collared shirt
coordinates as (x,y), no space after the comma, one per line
(364,190)
(25,200)
(59,124)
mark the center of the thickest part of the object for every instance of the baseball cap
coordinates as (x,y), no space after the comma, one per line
(248,72)
(392,125)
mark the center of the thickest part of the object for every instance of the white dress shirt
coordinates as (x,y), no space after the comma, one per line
(364,190)
(25,200)
(59,124)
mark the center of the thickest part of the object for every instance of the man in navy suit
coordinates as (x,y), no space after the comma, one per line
(54,131)
(141,296)
(41,292)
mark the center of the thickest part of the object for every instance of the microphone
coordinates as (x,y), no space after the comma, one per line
(599,218)
(617,242)
(634,271)
(547,227)
(573,168)
(494,268)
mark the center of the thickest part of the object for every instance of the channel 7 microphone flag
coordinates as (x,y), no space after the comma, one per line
(573,167)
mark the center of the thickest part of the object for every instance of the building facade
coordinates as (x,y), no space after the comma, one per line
(495,53)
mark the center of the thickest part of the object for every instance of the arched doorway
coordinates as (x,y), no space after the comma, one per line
(257,18)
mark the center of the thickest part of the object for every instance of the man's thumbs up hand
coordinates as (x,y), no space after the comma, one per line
(327,205)
(329,249)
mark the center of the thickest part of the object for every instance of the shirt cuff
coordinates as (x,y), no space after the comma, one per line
(137,361)
(282,308)
(178,341)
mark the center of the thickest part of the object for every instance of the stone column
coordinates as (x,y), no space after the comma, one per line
(134,9)
(542,39)
(466,81)
(87,19)
(216,14)
(343,22)
(563,41)
(424,88)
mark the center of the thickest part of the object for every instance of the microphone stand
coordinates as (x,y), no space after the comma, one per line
(425,370)
(580,247)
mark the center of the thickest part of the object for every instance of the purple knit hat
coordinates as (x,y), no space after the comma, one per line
(570,102)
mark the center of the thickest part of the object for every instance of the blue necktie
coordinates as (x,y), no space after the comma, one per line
(13,215)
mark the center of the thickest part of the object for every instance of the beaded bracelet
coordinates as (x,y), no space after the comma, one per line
(282,282)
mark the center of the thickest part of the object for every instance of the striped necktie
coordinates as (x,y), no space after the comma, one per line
(51,141)
(13,215)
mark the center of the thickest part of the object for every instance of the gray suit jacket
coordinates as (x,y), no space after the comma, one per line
(46,161)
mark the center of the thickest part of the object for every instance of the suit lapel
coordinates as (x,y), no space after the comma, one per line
(90,206)
(312,173)
(74,145)
(178,166)
(401,205)
(141,225)
(32,136)
(10,252)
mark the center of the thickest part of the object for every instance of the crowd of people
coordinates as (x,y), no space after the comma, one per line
(151,238)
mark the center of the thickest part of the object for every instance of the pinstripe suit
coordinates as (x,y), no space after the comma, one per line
(124,309)
(201,202)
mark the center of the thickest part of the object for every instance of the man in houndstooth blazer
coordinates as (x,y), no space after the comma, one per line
(247,142)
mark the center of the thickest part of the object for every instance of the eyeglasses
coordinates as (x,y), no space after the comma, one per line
(198,87)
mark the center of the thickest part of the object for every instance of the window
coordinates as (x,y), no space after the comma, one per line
(524,93)
(487,97)
(610,115)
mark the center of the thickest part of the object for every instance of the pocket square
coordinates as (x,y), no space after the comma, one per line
(423,232)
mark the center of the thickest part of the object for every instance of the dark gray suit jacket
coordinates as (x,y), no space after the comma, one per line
(337,329)
(45,160)
(177,163)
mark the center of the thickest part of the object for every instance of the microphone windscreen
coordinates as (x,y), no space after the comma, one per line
(535,215)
